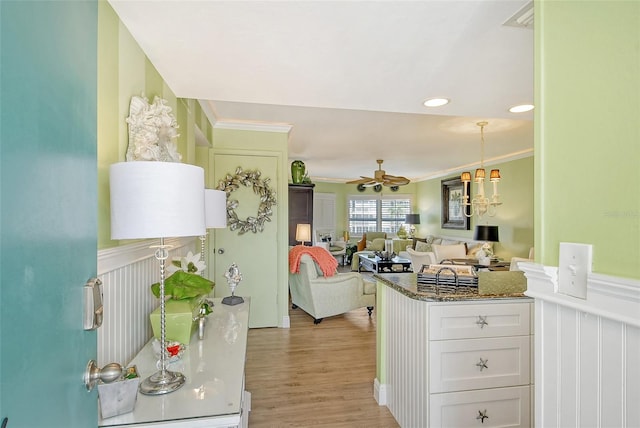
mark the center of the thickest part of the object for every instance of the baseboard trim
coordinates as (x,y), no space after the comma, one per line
(286,322)
(380,392)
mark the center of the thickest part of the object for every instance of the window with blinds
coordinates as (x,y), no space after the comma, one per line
(385,214)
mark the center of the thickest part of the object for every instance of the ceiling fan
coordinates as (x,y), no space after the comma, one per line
(380,178)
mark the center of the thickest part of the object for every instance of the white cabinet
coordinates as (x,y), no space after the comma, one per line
(502,407)
(456,363)
(480,365)
(459,365)
(213,395)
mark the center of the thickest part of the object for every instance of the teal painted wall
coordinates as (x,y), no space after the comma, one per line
(48,215)
(587,132)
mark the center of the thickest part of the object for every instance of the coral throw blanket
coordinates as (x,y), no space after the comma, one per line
(325,260)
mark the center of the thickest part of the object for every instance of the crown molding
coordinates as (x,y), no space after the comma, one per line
(253,126)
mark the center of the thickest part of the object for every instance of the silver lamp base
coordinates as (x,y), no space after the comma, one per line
(232,300)
(162,382)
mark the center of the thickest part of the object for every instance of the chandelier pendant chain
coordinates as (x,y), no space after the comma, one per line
(481,204)
(482,125)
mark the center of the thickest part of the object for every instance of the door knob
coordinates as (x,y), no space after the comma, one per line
(220,250)
(107,374)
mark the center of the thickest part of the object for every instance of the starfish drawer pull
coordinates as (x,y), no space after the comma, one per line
(482,364)
(482,415)
(482,321)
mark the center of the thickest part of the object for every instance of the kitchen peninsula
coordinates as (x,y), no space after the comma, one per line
(453,359)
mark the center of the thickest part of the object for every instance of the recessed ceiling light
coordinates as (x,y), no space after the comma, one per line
(436,102)
(521,108)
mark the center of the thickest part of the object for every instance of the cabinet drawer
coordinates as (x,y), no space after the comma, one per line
(481,320)
(459,365)
(502,407)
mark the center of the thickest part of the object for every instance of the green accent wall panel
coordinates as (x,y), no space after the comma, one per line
(124,71)
(515,217)
(588,132)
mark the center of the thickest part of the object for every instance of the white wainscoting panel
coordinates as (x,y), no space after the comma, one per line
(407,358)
(587,351)
(127,273)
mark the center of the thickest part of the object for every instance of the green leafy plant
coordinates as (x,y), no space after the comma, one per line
(185,282)
(183,285)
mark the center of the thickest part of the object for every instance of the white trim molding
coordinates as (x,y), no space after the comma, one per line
(607,296)
(380,392)
(586,351)
(114,258)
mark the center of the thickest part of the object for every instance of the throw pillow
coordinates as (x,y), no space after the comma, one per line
(376,245)
(442,252)
(449,242)
(423,247)
(473,250)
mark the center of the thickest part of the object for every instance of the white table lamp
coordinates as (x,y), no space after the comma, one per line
(157,200)
(303,233)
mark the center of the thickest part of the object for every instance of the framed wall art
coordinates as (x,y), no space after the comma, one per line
(453,212)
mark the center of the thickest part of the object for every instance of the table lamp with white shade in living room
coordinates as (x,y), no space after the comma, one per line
(157,200)
(303,233)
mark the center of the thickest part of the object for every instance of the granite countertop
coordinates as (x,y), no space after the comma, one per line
(407,284)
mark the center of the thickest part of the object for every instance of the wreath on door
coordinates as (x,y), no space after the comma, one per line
(267,195)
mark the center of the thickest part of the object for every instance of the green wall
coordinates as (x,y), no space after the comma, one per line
(514,217)
(587,131)
(124,71)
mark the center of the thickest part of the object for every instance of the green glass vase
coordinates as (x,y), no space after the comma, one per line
(298,170)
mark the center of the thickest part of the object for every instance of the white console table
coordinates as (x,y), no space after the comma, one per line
(213,395)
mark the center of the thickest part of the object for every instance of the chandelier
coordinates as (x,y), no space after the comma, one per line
(480,204)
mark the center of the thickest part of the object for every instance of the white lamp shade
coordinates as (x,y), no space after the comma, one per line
(303,232)
(215,208)
(156,200)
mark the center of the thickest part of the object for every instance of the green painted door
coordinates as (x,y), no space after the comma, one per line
(48,204)
(255,253)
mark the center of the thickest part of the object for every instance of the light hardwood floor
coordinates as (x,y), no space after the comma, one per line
(315,375)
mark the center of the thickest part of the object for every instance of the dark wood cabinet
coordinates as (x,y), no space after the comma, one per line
(300,209)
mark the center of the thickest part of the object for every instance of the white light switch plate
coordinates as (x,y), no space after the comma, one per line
(574,266)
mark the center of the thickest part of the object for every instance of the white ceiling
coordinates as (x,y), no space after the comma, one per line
(350,77)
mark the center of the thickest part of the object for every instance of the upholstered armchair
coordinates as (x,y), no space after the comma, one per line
(370,236)
(337,248)
(419,258)
(321,296)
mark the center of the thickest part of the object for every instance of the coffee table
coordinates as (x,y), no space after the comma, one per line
(377,265)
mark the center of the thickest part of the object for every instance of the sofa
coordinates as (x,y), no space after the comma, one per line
(322,297)
(431,249)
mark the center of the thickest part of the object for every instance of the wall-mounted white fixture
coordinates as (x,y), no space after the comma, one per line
(573,267)
(480,204)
